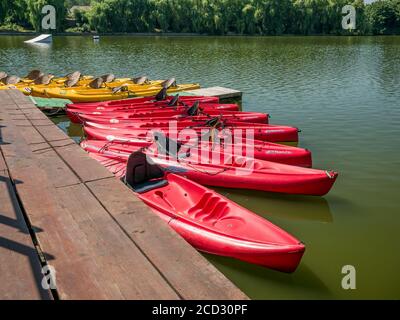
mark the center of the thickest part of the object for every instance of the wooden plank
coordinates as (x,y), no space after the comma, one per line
(192,275)
(17,96)
(47,158)
(54,166)
(20,121)
(12,142)
(40,122)
(123,265)
(20,269)
(6,99)
(31,135)
(27,106)
(10,107)
(90,253)
(86,168)
(48,130)
(221,92)
(34,115)
(3,166)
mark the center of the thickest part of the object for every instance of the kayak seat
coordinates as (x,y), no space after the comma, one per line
(149,185)
(162,95)
(242,162)
(165,145)
(194,109)
(174,101)
(143,176)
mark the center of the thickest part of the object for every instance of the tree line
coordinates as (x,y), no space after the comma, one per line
(219,17)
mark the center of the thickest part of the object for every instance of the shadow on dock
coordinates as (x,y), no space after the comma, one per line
(25,249)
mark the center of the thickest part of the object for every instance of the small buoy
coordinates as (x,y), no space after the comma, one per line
(96,37)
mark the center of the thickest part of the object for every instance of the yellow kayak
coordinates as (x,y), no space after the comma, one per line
(57,83)
(37,78)
(35,74)
(8,81)
(106,94)
(74,81)
(42,90)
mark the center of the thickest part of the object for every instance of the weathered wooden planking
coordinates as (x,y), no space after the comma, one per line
(102,235)
(18,98)
(6,99)
(92,257)
(3,166)
(86,168)
(186,270)
(221,92)
(20,269)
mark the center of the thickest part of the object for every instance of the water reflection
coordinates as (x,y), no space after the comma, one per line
(282,206)
(41,46)
(263,283)
(42,50)
(74,130)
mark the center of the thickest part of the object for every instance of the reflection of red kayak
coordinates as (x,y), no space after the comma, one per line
(259,149)
(208,221)
(229,170)
(163,116)
(151,111)
(145,102)
(258,131)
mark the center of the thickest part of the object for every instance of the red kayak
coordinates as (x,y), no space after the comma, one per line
(208,221)
(203,106)
(116,117)
(146,101)
(230,170)
(258,131)
(146,111)
(260,149)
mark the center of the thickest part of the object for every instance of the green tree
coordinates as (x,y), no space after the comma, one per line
(263,17)
(384,17)
(13,12)
(35,15)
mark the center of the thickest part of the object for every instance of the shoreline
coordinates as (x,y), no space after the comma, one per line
(175,34)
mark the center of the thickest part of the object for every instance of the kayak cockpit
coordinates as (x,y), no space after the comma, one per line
(143,176)
(209,208)
(149,185)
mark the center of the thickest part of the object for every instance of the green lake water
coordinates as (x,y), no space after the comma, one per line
(342,92)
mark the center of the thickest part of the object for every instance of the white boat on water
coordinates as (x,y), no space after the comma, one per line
(43,38)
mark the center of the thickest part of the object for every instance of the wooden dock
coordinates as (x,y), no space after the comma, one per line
(220,92)
(60,208)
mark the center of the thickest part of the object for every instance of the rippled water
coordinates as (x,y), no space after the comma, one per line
(344,95)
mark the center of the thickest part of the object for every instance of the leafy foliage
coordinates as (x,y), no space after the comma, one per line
(253,17)
(259,17)
(384,16)
(35,12)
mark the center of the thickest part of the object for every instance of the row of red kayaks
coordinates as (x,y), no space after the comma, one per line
(166,149)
